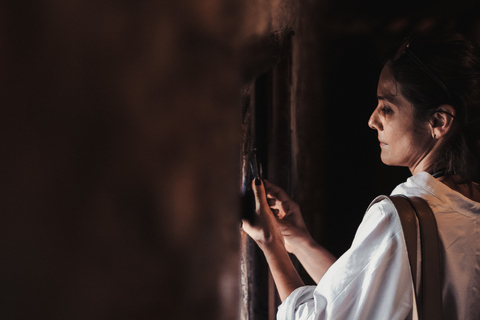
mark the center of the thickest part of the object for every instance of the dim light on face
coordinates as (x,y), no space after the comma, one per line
(403,141)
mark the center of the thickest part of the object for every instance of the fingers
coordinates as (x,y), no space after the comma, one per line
(276,191)
(265,227)
(259,192)
(271,201)
(246,225)
(262,202)
(278,202)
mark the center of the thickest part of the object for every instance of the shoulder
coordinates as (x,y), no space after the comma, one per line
(381,205)
(380,219)
(377,259)
(381,208)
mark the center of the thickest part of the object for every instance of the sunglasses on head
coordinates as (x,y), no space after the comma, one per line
(405,50)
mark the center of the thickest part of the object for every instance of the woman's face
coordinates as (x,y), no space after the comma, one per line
(402,141)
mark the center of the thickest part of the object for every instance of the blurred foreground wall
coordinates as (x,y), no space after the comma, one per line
(120,150)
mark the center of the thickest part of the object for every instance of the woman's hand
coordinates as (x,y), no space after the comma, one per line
(314,258)
(289,218)
(265,231)
(278,228)
(267,235)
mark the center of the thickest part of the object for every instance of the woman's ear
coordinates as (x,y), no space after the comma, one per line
(441,122)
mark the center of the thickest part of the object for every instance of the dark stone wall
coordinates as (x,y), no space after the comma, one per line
(121,141)
(119,172)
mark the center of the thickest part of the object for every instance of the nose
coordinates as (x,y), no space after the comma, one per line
(374,121)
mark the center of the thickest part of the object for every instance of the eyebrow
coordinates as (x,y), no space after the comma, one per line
(389,99)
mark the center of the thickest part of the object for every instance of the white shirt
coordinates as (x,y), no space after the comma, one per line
(372,280)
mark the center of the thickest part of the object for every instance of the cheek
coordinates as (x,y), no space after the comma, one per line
(408,144)
(403,141)
(398,134)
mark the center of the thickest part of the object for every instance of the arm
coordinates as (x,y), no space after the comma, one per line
(284,273)
(315,259)
(267,235)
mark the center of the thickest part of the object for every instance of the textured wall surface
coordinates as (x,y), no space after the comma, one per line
(119,168)
(120,128)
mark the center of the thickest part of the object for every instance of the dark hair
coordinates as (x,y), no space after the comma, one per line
(455,62)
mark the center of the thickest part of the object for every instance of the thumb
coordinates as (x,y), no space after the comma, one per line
(259,192)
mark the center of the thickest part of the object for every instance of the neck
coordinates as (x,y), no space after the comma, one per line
(426,163)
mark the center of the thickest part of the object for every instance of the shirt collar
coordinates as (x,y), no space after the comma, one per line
(452,198)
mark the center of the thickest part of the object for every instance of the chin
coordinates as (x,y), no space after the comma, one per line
(391,162)
(387,160)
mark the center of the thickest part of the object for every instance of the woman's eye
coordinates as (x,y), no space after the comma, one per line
(387,110)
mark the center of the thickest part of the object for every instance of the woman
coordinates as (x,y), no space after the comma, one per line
(427,119)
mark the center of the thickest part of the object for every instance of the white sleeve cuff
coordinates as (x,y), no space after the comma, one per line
(298,305)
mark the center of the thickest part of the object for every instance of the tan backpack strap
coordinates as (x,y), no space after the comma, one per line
(409,225)
(431,260)
(429,301)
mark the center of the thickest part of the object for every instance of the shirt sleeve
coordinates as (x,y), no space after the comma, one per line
(372,280)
